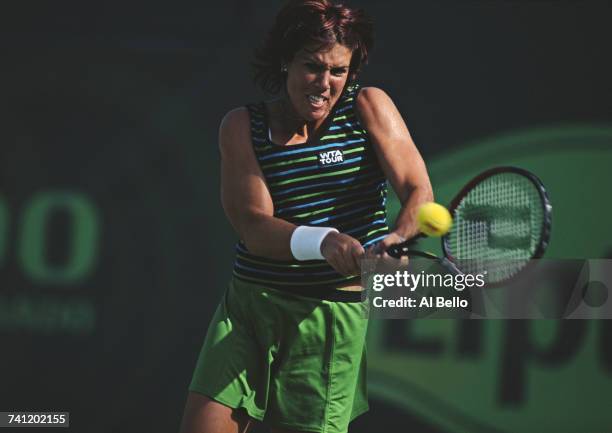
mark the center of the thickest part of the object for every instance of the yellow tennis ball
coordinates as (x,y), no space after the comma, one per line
(434,219)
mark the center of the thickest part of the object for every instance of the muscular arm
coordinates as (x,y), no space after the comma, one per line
(397,154)
(244,194)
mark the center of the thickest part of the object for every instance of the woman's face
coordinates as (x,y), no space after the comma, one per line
(315,80)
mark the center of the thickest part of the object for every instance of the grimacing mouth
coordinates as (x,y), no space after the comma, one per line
(317,98)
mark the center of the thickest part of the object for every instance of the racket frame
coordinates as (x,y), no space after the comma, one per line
(447,260)
(544,201)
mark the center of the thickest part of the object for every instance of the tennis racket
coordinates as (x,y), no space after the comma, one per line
(501,221)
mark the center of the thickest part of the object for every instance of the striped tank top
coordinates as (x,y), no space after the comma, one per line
(332,181)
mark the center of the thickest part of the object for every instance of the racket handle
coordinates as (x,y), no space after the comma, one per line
(396,250)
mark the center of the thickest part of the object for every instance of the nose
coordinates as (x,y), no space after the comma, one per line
(323,80)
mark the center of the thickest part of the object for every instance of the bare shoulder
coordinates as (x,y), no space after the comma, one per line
(235,130)
(371,97)
(372,103)
(235,117)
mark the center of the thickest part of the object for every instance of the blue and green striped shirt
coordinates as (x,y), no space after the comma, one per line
(332,181)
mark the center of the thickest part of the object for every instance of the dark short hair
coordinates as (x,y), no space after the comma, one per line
(317,23)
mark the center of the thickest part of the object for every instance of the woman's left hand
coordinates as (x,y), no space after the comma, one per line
(379,249)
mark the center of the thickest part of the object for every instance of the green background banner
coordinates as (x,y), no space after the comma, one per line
(512,376)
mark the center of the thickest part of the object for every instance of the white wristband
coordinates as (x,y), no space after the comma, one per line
(306,242)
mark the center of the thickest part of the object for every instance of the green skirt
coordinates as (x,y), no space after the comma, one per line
(288,360)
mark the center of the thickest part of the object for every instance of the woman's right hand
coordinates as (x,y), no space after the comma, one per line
(343,253)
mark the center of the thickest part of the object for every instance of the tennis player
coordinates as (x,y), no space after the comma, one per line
(303,183)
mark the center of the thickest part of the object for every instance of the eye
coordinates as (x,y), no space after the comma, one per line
(338,72)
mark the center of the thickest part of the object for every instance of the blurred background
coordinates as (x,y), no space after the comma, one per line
(114,249)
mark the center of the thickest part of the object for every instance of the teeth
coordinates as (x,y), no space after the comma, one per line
(315,99)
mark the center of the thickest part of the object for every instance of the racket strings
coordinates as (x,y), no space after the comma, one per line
(497,226)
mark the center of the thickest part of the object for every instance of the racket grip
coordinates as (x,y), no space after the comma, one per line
(396,250)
